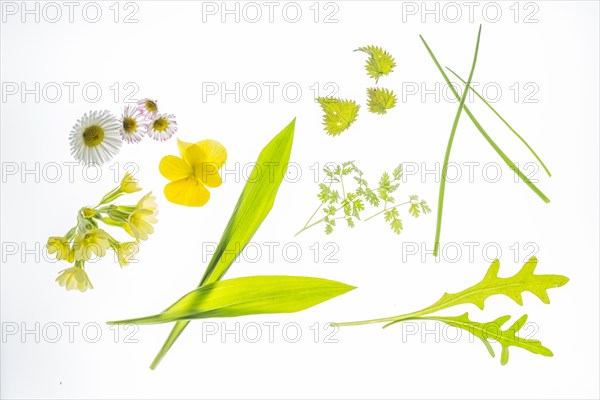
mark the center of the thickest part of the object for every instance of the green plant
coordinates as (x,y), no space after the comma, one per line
(462,107)
(512,287)
(339,203)
(250,295)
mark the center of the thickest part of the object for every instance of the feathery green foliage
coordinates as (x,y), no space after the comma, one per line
(337,202)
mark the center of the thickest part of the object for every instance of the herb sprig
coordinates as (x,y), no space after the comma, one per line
(339,203)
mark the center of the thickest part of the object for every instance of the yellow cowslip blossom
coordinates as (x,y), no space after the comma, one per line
(129,184)
(95,241)
(198,167)
(74,278)
(60,246)
(139,223)
(126,252)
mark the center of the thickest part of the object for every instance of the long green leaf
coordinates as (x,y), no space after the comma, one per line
(248,296)
(438,229)
(521,138)
(254,204)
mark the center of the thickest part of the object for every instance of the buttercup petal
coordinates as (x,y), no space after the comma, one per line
(174,168)
(187,192)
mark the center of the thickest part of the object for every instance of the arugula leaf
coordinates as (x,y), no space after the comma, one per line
(339,114)
(379,63)
(487,331)
(249,295)
(512,287)
(380,100)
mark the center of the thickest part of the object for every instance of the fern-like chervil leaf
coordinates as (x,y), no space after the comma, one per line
(380,100)
(379,63)
(523,281)
(338,115)
(487,331)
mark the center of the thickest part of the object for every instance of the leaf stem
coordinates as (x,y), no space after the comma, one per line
(449,148)
(387,209)
(505,122)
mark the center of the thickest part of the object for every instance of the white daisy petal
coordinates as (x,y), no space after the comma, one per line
(95,138)
(162,127)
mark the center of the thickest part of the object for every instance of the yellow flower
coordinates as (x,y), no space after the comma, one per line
(60,246)
(74,278)
(198,167)
(129,184)
(139,224)
(95,241)
(148,202)
(126,252)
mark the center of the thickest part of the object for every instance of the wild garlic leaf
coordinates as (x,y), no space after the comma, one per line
(379,63)
(379,100)
(339,114)
(253,206)
(487,331)
(249,295)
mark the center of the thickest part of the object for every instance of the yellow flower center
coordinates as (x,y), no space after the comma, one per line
(129,124)
(88,212)
(160,124)
(151,106)
(93,135)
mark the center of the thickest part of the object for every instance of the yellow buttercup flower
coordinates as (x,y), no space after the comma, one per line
(95,241)
(60,246)
(198,167)
(129,184)
(126,252)
(74,278)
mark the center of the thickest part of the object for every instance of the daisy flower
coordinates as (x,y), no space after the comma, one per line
(95,138)
(132,124)
(147,107)
(162,127)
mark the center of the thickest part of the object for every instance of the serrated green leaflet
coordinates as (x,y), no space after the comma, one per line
(380,100)
(254,204)
(338,115)
(512,287)
(487,331)
(379,63)
(248,296)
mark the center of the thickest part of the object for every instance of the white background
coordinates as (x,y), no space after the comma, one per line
(169,53)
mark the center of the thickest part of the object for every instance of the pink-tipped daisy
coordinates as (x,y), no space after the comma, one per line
(95,138)
(148,107)
(162,127)
(132,125)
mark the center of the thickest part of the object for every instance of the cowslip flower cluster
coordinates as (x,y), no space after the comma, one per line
(98,135)
(86,240)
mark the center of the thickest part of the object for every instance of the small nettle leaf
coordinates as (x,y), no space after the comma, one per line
(379,100)
(379,63)
(338,115)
